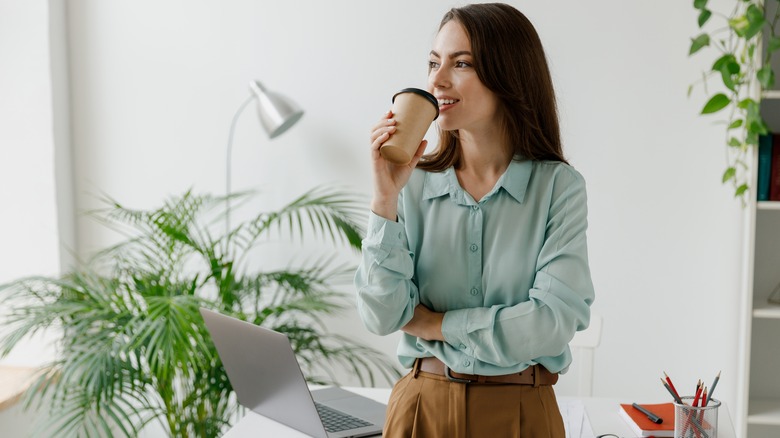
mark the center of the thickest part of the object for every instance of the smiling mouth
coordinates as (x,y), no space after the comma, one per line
(445,102)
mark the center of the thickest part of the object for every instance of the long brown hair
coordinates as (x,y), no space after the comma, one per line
(509,60)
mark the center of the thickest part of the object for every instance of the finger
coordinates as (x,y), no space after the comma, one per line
(383,121)
(421,148)
(382,124)
(418,154)
(388,130)
(377,143)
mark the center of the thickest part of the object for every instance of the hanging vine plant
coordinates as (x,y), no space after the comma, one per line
(742,72)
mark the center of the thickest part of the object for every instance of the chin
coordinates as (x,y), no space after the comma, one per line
(444,125)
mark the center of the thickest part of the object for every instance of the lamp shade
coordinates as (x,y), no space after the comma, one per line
(277,113)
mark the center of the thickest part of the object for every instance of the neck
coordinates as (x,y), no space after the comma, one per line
(486,155)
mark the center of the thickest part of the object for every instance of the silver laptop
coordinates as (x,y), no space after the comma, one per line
(265,374)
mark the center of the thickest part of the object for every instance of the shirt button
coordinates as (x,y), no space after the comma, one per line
(462,346)
(466,363)
(473,247)
(399,235)
(474,291)
(475,207)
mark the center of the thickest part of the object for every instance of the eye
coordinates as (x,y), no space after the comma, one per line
(462,64)
(433,65)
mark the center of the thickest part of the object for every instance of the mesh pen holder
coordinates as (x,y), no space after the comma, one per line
(696,422)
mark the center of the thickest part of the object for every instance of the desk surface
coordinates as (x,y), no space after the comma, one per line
(602,414)
(13,382)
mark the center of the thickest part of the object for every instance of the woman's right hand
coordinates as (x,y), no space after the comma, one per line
(389,178)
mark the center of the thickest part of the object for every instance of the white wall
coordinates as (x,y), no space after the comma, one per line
(155,83)
(30,234)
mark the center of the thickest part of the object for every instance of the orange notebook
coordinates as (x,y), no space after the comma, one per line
(642,426)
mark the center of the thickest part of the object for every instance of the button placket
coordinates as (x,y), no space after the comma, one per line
(474,233)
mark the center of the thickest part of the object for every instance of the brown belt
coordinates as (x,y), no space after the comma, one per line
(535,375)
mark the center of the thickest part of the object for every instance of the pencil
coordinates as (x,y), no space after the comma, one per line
(692,417)
(674,396)
(671,385)
(712,388)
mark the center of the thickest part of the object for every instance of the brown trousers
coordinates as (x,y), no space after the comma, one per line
(425,405)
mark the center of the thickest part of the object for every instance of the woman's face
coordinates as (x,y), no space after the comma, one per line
(464,102)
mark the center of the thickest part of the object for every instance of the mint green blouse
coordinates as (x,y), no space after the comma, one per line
(510,272)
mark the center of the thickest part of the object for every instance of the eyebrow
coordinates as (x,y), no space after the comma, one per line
(453,54)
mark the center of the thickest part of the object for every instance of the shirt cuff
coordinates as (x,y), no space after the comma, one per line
(455,330)
(385,232)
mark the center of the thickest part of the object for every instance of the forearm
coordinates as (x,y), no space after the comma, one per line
(507,335)
(386,294)
(385,206)
(425,324)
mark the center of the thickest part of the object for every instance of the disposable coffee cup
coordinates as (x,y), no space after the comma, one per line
(413,110)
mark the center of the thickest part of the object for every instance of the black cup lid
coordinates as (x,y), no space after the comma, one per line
(422,93)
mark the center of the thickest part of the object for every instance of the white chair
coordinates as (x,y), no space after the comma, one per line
(583,347)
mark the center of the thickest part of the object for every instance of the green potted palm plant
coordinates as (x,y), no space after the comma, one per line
(133,348)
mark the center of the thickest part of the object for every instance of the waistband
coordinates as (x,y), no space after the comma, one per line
(535,375)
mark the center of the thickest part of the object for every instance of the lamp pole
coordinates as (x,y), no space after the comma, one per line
(277,114)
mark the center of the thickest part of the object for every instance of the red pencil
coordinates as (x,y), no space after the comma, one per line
(674,396)
(695,403)
(671,385)
(704,398)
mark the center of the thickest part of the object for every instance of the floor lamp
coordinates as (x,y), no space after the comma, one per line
(277,114)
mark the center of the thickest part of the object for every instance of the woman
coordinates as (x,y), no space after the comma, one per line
(477,252)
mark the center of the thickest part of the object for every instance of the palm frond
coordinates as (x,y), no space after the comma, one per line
(132,347)
(329,213)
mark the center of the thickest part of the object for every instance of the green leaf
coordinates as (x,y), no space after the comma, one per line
(726,61)
(766,77)
(716,103)
(740,190)
(774,43)
(746,103)
(699,4)
(756,20)
(735,124)
(730,173)
(704,16)
(698,43)
(739,25)
(727,66)
(734,142)
(755,127)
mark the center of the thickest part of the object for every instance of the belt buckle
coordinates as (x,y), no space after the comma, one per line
(447,372)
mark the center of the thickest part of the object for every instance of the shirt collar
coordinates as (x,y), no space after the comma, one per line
(514,181)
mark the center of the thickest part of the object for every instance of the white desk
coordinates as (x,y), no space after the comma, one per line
(602,413)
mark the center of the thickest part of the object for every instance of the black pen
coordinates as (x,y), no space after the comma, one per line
(654,418)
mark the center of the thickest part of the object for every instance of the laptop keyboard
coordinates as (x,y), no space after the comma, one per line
(336,421)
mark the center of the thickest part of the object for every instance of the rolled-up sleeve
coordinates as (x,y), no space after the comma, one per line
(386,293)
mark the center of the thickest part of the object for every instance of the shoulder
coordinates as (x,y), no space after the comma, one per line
(420,179)
(560,174)
(557,170)
(554,183)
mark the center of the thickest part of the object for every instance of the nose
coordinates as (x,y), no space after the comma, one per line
(439,78)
